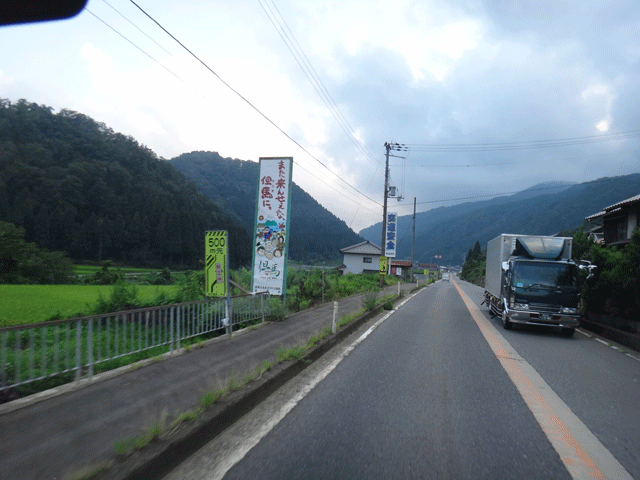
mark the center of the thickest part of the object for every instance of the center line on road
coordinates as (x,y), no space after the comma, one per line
(581,452)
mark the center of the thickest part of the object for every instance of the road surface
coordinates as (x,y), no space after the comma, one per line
(437,389)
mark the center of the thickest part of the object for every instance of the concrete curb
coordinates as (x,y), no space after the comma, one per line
(161,456)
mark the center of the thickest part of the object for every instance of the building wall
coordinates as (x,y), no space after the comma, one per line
(354,263)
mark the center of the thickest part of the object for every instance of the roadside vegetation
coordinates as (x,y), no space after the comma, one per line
(474,268)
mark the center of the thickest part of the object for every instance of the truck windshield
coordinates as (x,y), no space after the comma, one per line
(545,275)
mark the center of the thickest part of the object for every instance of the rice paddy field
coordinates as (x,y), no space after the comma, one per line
(25,304)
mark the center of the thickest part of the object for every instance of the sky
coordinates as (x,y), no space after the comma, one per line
(487,97)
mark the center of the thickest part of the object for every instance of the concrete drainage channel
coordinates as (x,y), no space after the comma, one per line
(161,456)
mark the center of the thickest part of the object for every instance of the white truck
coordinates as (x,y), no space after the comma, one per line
(532,280)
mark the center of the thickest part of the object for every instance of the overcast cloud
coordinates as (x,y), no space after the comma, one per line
(414,72)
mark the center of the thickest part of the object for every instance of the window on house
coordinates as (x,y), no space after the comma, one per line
(367,260)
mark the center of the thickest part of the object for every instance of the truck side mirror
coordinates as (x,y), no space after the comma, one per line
(587,265)
(505,267)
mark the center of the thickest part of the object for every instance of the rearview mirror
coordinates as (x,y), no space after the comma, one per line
(26,11)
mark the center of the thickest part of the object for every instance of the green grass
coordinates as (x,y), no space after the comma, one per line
(25,304)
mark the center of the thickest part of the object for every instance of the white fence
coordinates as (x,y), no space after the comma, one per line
(79,347)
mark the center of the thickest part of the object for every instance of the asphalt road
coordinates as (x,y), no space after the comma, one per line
(439,390)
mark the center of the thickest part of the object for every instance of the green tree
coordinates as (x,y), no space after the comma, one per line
(22,262)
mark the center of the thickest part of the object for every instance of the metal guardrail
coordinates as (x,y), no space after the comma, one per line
(79,347)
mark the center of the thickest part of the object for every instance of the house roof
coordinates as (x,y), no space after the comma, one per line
(623,202)
(612,208)
(400,263)
(430,266)
(595,215)
(363,248)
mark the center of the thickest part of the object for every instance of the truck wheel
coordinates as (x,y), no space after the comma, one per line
(506,324)
(568,332)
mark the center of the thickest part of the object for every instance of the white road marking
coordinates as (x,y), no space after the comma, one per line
(601,341)
(247,444)
(584,333)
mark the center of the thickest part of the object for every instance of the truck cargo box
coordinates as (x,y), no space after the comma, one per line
(502,247)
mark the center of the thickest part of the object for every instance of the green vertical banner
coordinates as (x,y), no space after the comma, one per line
(216,254)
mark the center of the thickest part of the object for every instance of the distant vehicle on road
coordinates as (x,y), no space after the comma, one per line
(445,277)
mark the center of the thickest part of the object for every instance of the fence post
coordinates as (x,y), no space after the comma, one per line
(171,329)
(78,348)
(335,313)
(178,321)
(262,306)
(90,347)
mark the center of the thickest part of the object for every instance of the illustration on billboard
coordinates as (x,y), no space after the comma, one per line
(271,231)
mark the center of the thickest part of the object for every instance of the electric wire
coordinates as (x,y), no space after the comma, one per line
(134,45)
(137,27)
(256,109)
(523,145)
(355,200)
(358,201)
(309,71)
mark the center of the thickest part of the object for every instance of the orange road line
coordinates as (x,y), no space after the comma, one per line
(579,464)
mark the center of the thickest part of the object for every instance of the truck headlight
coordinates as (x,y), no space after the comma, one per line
(521,306)
(569,310)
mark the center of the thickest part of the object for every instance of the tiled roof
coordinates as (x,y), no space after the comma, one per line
(624,202)
(365,248)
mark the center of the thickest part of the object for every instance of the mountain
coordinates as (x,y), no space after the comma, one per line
(316,234)
(76,186)
(544,209)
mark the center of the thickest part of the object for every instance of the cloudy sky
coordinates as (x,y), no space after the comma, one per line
(490,97)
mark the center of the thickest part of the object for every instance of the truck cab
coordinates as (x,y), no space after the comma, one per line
(541,292)
(532,280)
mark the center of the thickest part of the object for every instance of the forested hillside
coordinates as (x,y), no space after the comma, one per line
(316,234)
(451,231)
(76,186)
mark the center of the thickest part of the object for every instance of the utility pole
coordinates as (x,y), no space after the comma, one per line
(413,240)
(387,146)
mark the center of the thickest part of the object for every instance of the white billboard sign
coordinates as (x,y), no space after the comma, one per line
(270,251)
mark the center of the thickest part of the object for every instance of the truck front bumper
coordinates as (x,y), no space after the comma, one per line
(529,317)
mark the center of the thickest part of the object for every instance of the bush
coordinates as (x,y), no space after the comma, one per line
(106,275)
(277,310)
(370,300)
(615,286)
(122,296)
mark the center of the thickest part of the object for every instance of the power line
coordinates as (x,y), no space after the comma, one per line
(309,71)
(359,202)
(492,195)
(523,145)
(135,26)
(249,103)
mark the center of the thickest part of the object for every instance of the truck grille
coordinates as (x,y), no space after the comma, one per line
(542,307)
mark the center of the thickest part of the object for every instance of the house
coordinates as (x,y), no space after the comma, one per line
(401,268)
(615,223)
(430,269)
(360,258)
